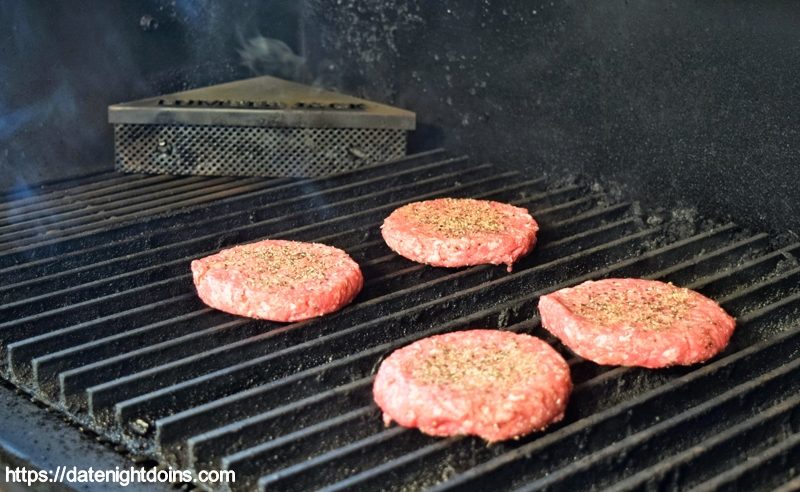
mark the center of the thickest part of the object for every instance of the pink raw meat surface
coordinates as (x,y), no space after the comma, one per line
(634,322)
(493,384)
(456,232)
(278,280)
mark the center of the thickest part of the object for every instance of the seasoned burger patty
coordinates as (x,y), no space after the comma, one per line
(278,280)
(634,322)
(455,232)
(493,384)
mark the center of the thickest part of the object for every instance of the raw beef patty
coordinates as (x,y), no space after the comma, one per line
(489,383)
(278,280)
(634,322)
(455,232)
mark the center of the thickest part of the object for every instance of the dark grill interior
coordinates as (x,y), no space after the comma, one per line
(99,319)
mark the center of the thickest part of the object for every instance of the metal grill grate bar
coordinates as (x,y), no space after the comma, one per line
(113,323)
(515,185)
(438,447)
(666,274)
(406,341)
(434,446)
(181,239)
(75,205)
(38,191)
(27,226)
(765,470)
(725,448)
(129,213)
(112,230)
(77,311)
(181,428)
(739,366)
(742,401)
(168,267)
(758,294)
(26,199)
(791,485)
(396,296)
(278,200)
(93,351)
(338,344)
(160,254)
(761,267)
(552,265)
(103,324)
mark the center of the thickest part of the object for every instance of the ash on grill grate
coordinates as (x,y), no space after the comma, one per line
(101,322)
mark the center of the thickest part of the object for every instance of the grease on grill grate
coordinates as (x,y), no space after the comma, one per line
(101,322)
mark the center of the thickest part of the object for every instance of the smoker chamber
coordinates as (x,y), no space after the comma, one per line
(262,126)
(100,321)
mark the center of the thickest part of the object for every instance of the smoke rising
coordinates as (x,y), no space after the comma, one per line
(267,56)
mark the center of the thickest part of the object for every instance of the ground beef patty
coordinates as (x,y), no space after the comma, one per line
(455,232)
(634,322)
(278,280)
(493,384)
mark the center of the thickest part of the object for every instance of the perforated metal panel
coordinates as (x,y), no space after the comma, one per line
(252,151)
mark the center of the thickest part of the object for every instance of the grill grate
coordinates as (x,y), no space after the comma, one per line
(99,320)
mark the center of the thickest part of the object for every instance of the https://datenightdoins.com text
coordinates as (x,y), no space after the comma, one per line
(120,476)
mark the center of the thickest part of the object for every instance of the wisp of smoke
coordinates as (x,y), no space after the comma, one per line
(267,56)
